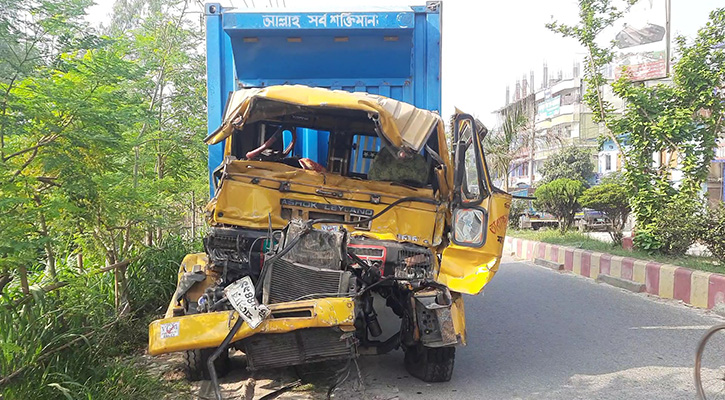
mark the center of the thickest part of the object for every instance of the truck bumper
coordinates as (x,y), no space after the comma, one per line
(205,330)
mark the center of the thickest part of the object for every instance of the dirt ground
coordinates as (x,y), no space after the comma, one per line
(291,383)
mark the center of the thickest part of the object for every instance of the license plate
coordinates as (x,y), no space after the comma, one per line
(241,295)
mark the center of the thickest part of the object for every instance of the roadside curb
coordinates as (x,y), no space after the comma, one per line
(697,288)
(625,284)
(549,264)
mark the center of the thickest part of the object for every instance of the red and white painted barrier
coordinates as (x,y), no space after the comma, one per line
(697,288)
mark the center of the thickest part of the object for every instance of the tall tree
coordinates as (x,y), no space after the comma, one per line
(570,162)
(677,123)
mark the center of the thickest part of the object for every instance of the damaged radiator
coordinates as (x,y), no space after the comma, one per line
(297,347)
(287,281)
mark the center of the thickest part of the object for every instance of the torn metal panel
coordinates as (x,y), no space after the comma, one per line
(435,320)
(401,124)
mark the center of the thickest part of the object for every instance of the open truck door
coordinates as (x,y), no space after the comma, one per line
(479,214)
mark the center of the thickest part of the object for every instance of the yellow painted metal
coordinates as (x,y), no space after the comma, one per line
(205,330)
(458,313)
(252,192)
(241,202)
(401,123)
(468,269)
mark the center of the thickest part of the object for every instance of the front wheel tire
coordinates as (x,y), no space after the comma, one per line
(195,364)
(430,364)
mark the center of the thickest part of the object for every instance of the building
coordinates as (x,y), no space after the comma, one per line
(556,118)
(714,186)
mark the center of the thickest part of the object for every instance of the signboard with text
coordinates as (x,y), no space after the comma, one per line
(640,43)
(549,108)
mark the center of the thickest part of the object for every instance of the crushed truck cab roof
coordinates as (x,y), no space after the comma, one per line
(401,124)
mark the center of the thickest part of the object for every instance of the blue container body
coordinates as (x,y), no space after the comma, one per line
(391,52)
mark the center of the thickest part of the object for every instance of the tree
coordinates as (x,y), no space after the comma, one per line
(712,231)
(561,199)
(571,162)
(505,144)
(678,123)
(612,199)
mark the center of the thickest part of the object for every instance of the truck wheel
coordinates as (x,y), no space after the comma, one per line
(430,364)
(195,364)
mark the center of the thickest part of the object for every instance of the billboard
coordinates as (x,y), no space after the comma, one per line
(548,108)
(641,41)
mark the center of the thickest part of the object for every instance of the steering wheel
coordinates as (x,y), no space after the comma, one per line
(256,152)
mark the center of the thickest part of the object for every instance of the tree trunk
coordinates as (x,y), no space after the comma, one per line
(79,260)
(23,272)
(49,253)
(193,216)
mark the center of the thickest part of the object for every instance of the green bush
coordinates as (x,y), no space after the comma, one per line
(612,199)
(518,208)
(712,233)
(97,366)
(560,198)
(674,230)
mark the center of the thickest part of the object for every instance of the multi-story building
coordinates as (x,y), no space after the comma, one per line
(556,118)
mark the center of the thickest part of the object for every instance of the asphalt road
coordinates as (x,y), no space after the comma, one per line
(539,334)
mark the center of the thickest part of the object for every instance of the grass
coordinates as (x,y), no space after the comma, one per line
(581,241)
(103,364)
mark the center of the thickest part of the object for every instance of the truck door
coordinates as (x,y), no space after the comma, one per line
(479,214)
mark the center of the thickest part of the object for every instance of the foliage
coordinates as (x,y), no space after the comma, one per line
(560,198)
(674,230)
(504,145)
(101,160)
(712,232)
(612,199)
(571,162)
(677,122)
(85,310)
(517,210)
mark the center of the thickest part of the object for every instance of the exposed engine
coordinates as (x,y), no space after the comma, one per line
(303,263)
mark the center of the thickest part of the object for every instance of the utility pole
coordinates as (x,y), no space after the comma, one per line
(532,146)
(668,55)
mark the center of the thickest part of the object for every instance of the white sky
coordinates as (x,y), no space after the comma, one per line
(488,44)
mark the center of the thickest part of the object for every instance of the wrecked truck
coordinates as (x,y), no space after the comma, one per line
(298,249)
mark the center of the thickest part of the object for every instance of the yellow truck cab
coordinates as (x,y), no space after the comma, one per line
(298,248)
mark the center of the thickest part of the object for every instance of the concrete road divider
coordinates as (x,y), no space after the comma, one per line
(697,288)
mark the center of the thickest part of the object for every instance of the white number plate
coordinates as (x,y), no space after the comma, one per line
(241,295)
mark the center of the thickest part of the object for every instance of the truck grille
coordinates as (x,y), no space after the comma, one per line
(287,281)
(297,347)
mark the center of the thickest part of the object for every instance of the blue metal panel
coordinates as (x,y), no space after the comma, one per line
(318,21)
(392,53)
(364,149)
(220,80)
(261,55)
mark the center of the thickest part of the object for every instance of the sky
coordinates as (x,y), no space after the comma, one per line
(502,40)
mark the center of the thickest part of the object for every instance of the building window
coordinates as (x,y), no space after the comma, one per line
(608,162)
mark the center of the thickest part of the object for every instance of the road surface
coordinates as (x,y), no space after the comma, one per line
(540,334)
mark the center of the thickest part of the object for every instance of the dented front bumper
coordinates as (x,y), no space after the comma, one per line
(206,330)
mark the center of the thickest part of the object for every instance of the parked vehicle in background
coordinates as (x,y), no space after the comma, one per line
(592,220)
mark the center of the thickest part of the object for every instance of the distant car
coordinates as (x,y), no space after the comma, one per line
(592,220)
